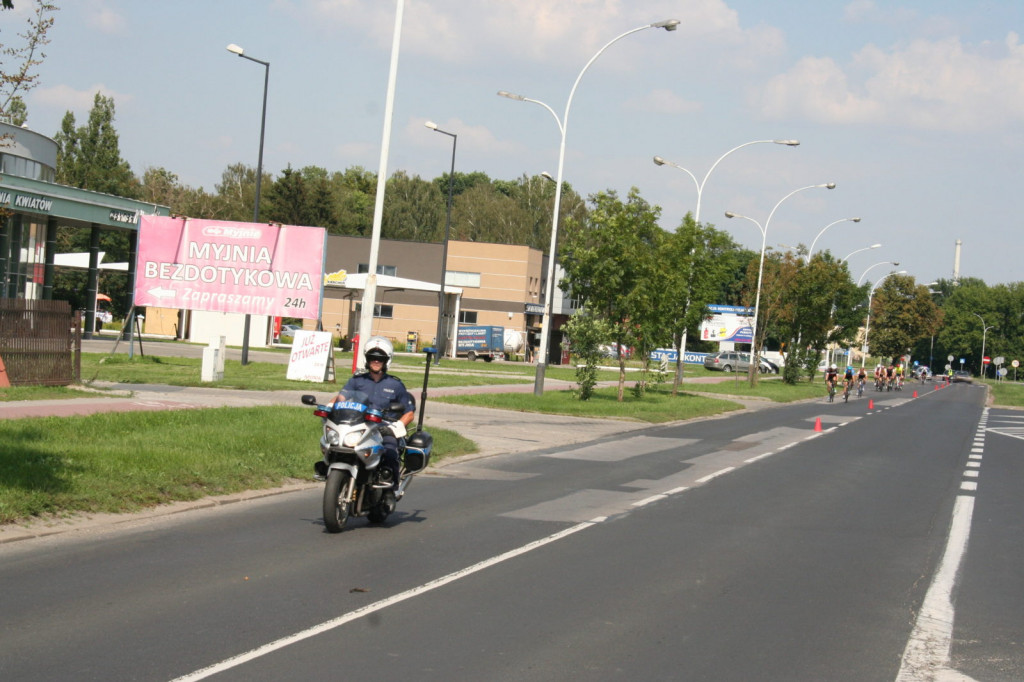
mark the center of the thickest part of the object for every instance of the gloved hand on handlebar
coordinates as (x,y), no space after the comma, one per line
(397,429)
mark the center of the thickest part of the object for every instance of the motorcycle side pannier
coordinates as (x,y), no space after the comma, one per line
(417,451)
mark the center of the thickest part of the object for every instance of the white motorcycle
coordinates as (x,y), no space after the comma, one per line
(352,447)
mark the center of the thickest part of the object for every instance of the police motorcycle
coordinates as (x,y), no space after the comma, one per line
(352,446)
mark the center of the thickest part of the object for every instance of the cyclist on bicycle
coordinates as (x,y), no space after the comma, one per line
(879,377)
(862,377)
(899,377)
(831,376)
(890,375)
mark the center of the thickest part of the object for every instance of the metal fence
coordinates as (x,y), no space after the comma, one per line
(40,342)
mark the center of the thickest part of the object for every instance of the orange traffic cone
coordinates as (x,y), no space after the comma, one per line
(817,424)
(871,403)
(915,394)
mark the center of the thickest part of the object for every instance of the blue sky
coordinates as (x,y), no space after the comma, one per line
(914,109)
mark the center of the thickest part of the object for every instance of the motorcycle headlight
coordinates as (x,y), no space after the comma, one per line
(332,437)
(352,439)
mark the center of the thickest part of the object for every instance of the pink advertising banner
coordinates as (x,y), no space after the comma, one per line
(228,267)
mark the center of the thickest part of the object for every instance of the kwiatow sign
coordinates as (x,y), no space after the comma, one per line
(230,267)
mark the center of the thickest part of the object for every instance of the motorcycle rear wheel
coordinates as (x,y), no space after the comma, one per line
(336,508)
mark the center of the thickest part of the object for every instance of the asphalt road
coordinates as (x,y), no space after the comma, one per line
(747,548)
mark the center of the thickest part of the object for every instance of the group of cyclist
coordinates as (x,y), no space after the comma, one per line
(887,377)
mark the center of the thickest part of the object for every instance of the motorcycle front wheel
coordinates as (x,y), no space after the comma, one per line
(335,507)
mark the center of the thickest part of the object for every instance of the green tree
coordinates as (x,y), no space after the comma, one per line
(612,266)
(824,301)
(413,209)
(775,306)
(236,192)
(162,187)
(287,199)
(352,194)
(89,156)
(695,264)
(483,214)
(18,62)
(902,313)
(586,332)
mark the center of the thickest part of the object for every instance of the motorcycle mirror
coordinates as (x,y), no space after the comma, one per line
(308,399)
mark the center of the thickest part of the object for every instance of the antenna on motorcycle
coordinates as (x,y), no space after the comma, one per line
(423,396)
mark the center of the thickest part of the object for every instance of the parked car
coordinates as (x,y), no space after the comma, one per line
(962,376)
(287,334)
(610,350)
(734,361)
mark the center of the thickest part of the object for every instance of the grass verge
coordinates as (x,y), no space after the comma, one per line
(1006,393)
(657,406)
(125,462)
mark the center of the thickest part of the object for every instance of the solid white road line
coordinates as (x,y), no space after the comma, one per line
(926,656)
(718,473)
(235,661)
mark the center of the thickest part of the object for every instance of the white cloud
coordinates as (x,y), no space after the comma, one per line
(663,102)
(868,11)
(478,138)
(78,101)
(566,32)
(106,20)
(936,85)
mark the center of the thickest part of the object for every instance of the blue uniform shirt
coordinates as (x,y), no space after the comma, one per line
(382,393)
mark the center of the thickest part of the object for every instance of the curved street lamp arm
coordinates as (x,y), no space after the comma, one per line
(866,248)
(810,252)
(828,185)
(563,125)
(885,262)
(700,184)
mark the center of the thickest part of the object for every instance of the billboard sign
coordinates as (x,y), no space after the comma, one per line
(727,323)
(228,267)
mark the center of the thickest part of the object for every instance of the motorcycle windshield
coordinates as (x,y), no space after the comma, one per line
(350,408)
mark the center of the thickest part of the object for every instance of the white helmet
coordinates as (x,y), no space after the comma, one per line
(833,366)
(380,347)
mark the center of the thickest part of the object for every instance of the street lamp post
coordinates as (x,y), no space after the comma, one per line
(810,251)
(894,263)
(439,338)
(700,185)
(545,334)
(866,248)
(696,221)
(867,324)
(754,358)
(235,49)
(984,332)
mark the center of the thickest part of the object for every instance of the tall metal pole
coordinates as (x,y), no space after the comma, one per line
(370,290)
(439,336)
(984,333)
(259,174)
(754,357)
(659,161)
(545,332)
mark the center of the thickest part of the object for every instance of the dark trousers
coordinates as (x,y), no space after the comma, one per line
(390,458)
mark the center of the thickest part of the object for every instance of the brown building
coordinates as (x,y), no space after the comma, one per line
(500,285)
